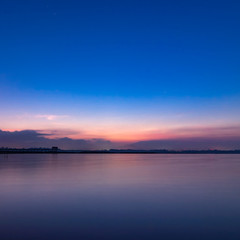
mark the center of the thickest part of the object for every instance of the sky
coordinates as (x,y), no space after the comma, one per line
(120,72)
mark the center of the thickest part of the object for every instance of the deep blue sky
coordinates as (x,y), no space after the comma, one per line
(116,69)
(122,48)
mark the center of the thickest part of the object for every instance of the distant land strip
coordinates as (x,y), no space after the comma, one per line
(56,150)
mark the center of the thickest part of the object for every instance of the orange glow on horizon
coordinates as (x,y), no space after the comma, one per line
(133,134)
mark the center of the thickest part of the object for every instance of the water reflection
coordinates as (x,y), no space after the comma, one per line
(51,196)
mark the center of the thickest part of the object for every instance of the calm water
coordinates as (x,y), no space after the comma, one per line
(52,196)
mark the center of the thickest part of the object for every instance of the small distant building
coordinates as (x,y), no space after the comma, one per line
(54,149)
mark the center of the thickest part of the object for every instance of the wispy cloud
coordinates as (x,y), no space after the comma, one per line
(57,133)
(193,131)
(51,117)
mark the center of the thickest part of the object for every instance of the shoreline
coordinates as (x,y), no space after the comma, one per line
(50,151)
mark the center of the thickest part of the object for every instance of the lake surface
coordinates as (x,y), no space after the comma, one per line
(119,196)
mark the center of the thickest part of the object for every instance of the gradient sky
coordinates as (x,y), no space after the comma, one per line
(120,70)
